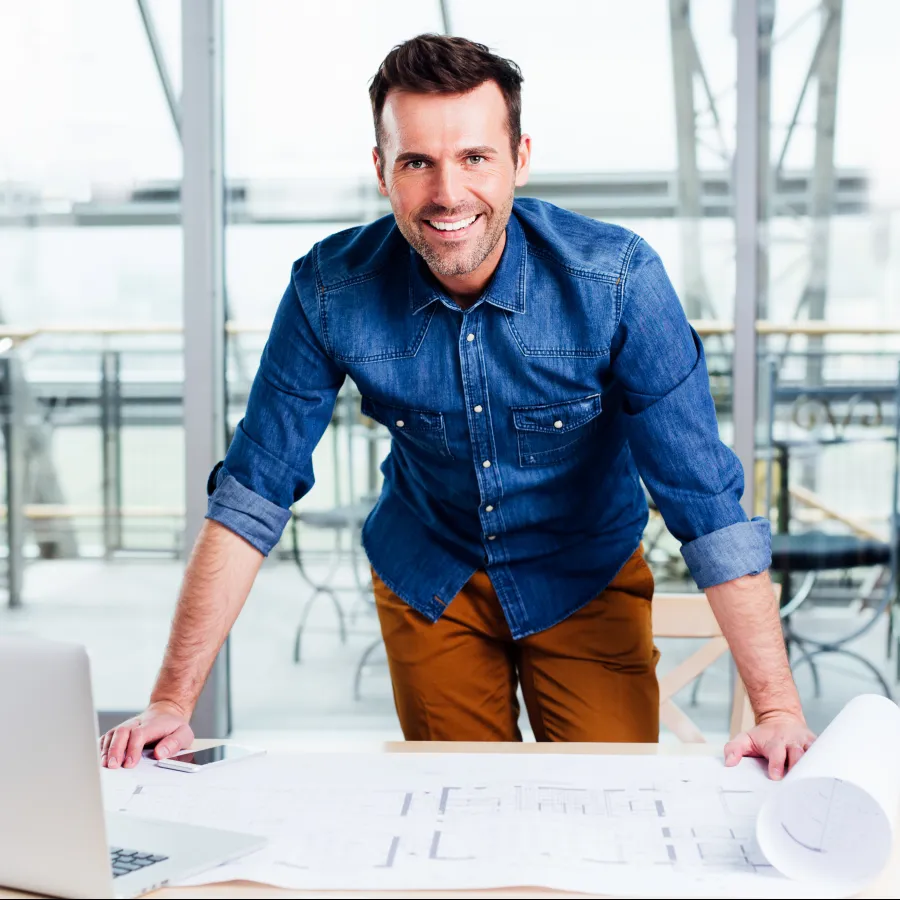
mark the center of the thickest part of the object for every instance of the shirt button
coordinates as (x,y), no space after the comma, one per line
(479,408)
(489,508)
(399,423)
(470,338)
(492,537)
(486,464)
(557,423)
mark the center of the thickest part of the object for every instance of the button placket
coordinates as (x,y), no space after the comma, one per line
(479,423)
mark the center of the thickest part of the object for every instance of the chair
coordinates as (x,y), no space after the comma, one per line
(830,416)
(690,616)
(346,517)
(340,519)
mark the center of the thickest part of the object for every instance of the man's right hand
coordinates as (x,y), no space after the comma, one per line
(164,723)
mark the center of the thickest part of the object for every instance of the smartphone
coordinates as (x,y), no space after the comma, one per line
(197,760)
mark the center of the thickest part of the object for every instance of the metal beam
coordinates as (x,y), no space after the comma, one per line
(13,427)
(202,215)
(766,182)
(445,16)
(821,47)
(821,187)
(633,195)
(159,59)
(746,222)
(690,210)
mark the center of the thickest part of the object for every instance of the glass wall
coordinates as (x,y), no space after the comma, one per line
(90,317)
(830,346)
(655,157)
(632,109)
(298,165)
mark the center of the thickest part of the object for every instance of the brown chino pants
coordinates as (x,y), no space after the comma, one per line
(591,677)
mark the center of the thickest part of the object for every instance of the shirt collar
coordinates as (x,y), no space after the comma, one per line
(506,289)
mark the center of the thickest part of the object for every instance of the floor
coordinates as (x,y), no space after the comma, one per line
(121,612)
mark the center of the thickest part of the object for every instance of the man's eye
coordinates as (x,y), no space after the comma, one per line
(416,164)
(476,159)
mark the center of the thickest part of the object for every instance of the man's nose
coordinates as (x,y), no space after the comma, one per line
(449,190)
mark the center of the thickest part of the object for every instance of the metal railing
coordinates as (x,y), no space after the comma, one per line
(98,391)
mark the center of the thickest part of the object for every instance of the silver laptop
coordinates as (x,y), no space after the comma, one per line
(54,836)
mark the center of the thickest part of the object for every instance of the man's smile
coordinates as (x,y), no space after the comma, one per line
(450,229)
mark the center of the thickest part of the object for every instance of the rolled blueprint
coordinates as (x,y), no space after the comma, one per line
(832,820)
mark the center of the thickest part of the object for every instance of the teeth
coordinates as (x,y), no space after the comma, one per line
(452,226)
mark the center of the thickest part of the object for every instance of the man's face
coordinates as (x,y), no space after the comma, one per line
(448,170)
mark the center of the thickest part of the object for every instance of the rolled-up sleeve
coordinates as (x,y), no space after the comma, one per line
(268,466)
(696,480)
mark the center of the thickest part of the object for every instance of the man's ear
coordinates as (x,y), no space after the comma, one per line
(523,161)
(379,172)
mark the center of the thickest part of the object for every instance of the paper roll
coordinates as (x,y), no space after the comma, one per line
(832,820)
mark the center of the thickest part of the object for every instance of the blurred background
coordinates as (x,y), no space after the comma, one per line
(162,163)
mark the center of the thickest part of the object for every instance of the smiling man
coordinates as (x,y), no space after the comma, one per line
(530,364)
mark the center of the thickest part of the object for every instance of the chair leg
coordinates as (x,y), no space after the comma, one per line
(805,656)
(805,589)
(695,690)
(342,623)
(882,681)
(898,659)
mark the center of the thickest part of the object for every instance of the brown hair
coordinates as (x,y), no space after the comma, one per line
(438,64)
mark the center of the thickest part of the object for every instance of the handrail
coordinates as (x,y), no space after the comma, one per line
(45,511)
(702,326)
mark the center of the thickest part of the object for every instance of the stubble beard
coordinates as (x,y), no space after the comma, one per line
(461,260)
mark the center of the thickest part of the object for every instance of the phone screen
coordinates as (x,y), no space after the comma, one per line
(210,755)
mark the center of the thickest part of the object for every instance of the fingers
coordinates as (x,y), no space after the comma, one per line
(125,743)
(123,746)
(136,740)
(105,741)
(776,752)
(779,740)
(117,744)
(738,748)
(180,739)
(794,752)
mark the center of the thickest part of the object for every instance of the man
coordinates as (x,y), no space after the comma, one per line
(530,364)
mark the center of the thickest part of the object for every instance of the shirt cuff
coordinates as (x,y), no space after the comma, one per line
(728,553)
(257,520)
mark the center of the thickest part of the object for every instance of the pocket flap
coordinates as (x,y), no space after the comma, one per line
(557,418)
(402,418)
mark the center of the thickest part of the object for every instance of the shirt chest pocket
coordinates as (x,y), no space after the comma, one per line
(421,428)
(550,433)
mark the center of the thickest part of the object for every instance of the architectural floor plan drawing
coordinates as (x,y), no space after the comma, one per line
(639,826)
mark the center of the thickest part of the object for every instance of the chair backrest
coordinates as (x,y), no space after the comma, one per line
(690,616)
(836,413)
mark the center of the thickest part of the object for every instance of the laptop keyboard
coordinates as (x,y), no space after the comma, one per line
(124,861)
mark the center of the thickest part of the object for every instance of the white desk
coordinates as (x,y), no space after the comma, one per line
(887,886)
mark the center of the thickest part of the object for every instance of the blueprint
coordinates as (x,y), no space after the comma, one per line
(636,825)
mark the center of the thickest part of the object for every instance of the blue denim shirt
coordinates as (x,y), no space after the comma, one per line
(520,426)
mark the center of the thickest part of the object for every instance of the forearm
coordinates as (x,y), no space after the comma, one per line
(216,583)
(747,611)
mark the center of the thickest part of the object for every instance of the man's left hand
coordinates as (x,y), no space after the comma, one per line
(781,738)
